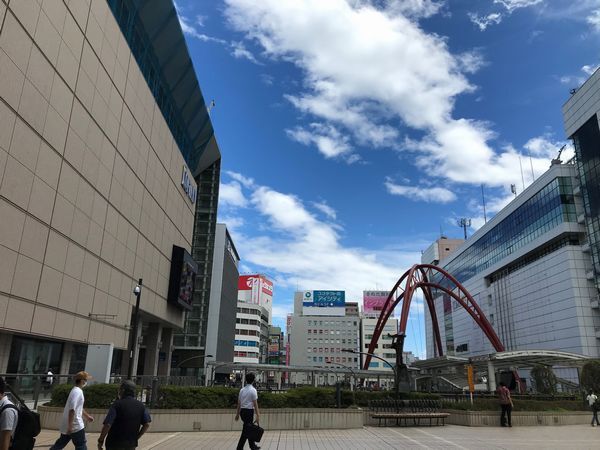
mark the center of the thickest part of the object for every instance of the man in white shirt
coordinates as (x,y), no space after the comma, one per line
(8,418)
(71,425)
(247,405)
(593,402)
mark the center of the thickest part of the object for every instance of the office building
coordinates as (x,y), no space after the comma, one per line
(440,249)
(320,329)
(220,327)
(276,346)
(253,319)
(103,129)
(529,269)
(580,114)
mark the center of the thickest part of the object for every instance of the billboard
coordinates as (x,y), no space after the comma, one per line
(182,277)
(256,289)
(374,301)
(324,303)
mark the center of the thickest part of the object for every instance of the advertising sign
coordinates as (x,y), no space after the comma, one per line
(182,277)
(274,349)
(374,301)
(324,303)
(255,289)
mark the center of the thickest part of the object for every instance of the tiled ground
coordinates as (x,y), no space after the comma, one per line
(373,438)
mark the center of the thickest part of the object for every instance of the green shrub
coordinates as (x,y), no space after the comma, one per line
(182,397)
(96,395)
(491,404)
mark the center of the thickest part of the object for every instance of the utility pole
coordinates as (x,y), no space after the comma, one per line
(464,223)
(137,291)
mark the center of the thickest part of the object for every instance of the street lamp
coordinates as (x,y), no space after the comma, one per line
(338,391)
(352,380)
(356,352)
(137,291)
(193,357)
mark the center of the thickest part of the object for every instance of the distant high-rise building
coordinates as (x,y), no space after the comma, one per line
(440,249)
(319,330)
(253,319)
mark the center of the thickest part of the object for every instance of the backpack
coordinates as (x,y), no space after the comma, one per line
(28,426)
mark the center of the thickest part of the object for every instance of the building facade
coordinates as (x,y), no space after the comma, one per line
(317,338)
(440,249)
(530,270)
(103,128)
(253,320)
(580,115)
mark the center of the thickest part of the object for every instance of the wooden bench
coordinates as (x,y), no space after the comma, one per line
(400,410)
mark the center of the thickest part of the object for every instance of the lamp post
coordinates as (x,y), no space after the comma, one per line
(137,291)
(338,392)
(352,380)
(356,352)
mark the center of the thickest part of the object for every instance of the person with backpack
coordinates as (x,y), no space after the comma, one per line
(72,427)
(19,426)
(9,417)
(127,420)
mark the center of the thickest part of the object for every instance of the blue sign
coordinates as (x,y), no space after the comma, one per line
(324,299)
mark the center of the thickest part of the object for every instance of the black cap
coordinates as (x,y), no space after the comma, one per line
(128,387)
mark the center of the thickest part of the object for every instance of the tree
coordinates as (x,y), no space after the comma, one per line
(544,379)
(590,376)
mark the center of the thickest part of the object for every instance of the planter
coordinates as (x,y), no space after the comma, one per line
(176,420)
(519,418)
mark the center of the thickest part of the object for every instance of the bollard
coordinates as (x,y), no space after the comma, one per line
(154,393)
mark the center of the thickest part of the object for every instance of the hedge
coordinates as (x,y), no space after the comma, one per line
(178,397)
(489,404)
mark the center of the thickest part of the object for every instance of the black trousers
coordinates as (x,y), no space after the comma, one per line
(247,416)
(595,416)
(506,411)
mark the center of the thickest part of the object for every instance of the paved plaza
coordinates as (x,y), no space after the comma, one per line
(448,437)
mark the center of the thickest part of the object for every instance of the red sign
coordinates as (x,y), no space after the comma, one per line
(246,282)
(267,286)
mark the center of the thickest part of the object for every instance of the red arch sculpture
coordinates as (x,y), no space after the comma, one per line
(420,276)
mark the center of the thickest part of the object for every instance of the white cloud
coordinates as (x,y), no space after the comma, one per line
(485,21)
(594,19)
(471,62)
(300,250)
(330,142)
(240,51)
(367,71)
(230,194)
(245,181)
(201,20)
(494,18)
(426,194)
(234,224)
(589,69)
(326,209)
(512,5)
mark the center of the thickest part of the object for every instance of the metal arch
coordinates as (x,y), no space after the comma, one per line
(419,276)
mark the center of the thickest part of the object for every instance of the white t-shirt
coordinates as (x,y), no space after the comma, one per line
(74,402)
(591,399)
(247,395)
(9,417)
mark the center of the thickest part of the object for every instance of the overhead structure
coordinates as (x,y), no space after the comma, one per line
(430,279)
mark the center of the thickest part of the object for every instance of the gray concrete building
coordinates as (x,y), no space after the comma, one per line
(103,129)
(318,340)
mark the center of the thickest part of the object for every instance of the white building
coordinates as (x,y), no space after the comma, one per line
(530,271)
(253,319)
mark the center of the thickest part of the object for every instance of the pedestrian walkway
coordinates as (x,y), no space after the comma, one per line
(373,438)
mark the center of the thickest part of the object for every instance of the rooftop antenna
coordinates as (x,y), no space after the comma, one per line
(557,160)
(522,177)
(210,106)
(483,199)
(513,189)
(464,223)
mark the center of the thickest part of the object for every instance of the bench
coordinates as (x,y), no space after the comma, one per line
(400,410)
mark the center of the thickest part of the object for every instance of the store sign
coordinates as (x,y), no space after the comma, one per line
(188,185)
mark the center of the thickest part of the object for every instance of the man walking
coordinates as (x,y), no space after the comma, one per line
(247,405)
(127,420)
(506,404)
(8,418)
(71,425)
(593,402)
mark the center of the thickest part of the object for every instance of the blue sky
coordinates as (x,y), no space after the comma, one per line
(353,132)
